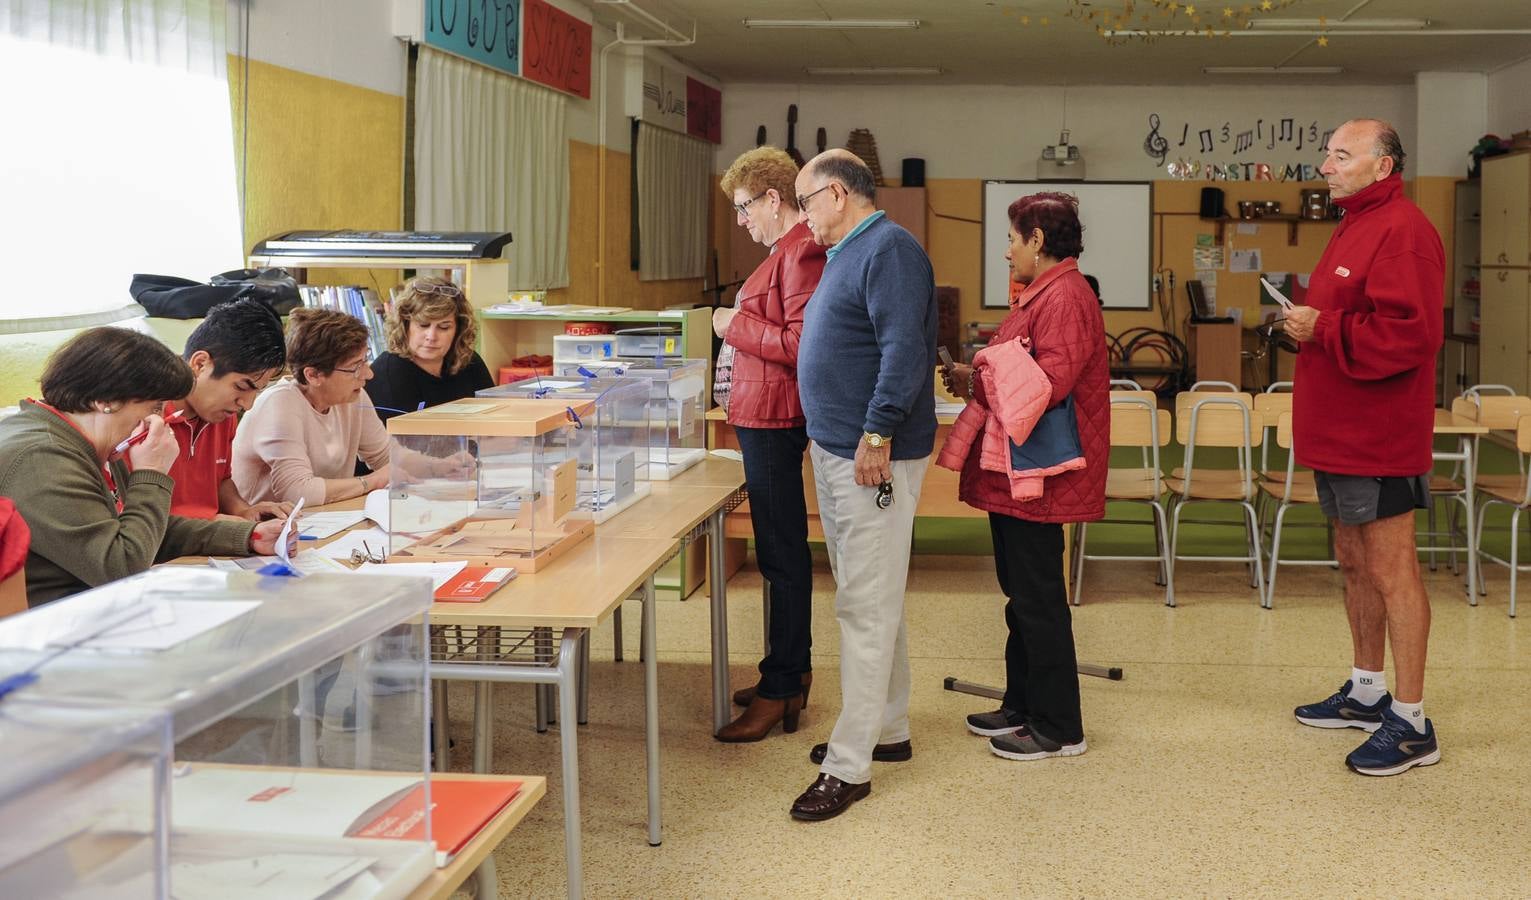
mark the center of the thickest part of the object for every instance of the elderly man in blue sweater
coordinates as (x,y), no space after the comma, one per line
(865,374)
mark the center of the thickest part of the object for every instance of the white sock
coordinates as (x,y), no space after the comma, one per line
(1413,713)
(1366,687)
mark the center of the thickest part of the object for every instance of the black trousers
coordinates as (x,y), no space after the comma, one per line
(773,474)
(1041,672)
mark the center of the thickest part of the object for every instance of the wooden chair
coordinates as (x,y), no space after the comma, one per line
(1518,498)
(1499,411)
(1206,420)
(1270,404)
(1296,488)
(1136,421)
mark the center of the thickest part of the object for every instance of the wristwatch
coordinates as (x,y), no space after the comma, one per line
(875,440)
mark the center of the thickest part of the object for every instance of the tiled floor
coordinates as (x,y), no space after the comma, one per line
(1197,782)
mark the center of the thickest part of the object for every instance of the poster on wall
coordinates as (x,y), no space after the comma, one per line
(704,111)
(556,48)
(664,96)
(488,33)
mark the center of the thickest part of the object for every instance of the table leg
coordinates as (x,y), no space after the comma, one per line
(584,679)
(650,708)
(439,726)
(717,595)
(486,881)
(363,713)
(1468,477)
(568,665)
(308,724)
(483,706)
(542,648)
(616,629)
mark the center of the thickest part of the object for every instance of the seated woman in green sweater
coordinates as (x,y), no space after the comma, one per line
(99,511)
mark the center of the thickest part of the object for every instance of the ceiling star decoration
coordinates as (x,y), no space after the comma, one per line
(1120,22)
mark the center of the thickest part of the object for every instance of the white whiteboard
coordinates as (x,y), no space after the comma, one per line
(1117,217)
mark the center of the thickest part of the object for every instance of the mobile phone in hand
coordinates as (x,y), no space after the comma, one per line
(946,358)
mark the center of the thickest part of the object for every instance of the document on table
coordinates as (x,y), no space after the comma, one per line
(316,526)
(304,562)
(367,540)
(169,622)
(439,573)
(290,875)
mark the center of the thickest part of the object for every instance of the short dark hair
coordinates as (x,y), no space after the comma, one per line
(1057,214)
(850,171)
(321,338)
(244,336)
(1390,144)
(113,365)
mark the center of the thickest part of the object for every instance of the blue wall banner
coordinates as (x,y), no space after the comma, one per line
(487,32)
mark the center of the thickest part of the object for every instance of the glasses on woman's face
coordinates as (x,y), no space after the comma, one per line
(355,371)
(743,209)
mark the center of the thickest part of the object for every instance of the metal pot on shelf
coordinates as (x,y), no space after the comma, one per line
(1247,209)
(1315,203)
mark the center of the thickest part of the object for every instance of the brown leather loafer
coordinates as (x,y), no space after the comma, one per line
(744,696)
(899,752)
(828,797)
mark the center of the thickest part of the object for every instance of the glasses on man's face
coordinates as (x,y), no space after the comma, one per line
(802,199)
(355,371)
(743,209)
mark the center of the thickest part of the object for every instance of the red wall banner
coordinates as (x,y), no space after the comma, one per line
(704,111)
(555,48)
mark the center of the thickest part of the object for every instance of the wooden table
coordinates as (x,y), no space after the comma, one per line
(688,508)
(1467,432)
(477,858)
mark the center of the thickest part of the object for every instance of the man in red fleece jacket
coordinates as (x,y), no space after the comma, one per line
(1362,420)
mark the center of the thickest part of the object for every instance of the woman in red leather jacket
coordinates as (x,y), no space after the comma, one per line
(762,331)
(1059,314)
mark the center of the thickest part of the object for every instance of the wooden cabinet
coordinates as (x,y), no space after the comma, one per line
(906,206)
(1507,210)
(1505,341)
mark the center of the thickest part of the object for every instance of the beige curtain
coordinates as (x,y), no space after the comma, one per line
(674,179)
(492,154)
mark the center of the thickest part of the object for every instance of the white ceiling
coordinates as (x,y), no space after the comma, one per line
(985,42)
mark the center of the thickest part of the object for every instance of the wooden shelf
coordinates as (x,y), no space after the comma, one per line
(1292,221)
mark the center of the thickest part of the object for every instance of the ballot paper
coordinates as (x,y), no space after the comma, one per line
(316,526)
(367,540)
(283,552)
(439,573)
(1276,293)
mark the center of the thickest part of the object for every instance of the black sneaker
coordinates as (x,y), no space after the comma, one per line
(1025,744)
(1339,711)
(991,724)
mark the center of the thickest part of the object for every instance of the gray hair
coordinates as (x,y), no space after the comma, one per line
(850,171)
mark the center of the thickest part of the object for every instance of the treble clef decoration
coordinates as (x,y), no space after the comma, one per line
(1155,145)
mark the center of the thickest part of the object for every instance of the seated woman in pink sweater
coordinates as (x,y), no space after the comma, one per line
(304,434)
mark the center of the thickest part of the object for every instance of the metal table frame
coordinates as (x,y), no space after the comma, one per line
(500,655)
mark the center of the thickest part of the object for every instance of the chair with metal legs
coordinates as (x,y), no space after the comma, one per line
(1295,489)
(1207,420)
(1136,421)
(1518,498)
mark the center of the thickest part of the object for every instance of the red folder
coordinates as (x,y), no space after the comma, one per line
(459,810)
(474,584)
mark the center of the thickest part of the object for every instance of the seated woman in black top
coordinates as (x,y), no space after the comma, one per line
(430,356)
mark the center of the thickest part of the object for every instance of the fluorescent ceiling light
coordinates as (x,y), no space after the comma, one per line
(874,70)
(833,24)
(1272,70)
(1337,24)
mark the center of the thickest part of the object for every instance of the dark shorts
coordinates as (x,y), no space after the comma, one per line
(1358,499)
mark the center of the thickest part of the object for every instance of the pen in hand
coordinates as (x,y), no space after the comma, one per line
(130,440)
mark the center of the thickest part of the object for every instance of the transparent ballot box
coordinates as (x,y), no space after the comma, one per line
(613,459)
(298,708)
(677,404)
(490,480)
(82,801)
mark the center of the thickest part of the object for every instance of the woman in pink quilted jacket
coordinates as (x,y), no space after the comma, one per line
(1057,314)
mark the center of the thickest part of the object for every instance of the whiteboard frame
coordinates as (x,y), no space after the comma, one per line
(1067,187)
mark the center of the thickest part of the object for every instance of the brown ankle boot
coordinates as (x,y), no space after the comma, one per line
(744,696)
(760,717)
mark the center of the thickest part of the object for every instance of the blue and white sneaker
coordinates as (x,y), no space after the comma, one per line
(1395,747)
(1340,711)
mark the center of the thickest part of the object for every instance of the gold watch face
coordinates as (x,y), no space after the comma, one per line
(874,440)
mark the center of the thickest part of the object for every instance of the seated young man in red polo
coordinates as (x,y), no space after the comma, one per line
(234,353)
